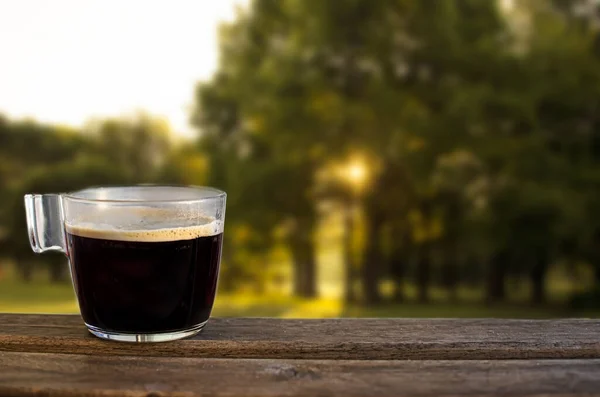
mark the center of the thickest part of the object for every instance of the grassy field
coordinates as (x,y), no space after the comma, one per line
(40,296)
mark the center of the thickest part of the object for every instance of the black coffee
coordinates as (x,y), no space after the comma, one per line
(144,286)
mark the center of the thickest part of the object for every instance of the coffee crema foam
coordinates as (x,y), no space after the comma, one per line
(144,226)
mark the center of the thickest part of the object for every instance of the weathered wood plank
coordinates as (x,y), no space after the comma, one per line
(37,374)
(353,339)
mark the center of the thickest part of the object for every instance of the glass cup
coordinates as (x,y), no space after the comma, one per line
(144,260)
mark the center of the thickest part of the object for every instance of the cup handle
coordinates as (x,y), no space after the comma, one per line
(45,222)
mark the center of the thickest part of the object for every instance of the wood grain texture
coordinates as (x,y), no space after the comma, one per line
(84,375)
(351,339)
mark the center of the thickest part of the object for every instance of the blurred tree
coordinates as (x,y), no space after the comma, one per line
(302,79)
(551,145)
(40,158)
(138,145)
(252,123)
(63,177)
(27,146)
(477,122)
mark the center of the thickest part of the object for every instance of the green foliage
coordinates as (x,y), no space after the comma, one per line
(477,128)
(47,159)
(480,125)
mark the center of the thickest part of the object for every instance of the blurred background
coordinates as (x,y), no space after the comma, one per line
(422,158)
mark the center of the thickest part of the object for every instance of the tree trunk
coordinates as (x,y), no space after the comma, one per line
(538,276)
(349,293)
(594,260)
(299,261)
(450,270)
(425,254)
(372,258)
(26,270)
(496,290)
(471,274)
(304,271)
(451,279)
(227,278)
(397,266)
(423,272)
(58,271)
(303,255)
(453,204)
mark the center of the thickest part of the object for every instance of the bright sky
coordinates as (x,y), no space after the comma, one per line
(64,61)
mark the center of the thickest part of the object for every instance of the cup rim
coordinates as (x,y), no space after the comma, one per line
(214,194)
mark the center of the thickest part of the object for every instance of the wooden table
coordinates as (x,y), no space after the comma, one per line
(53,355)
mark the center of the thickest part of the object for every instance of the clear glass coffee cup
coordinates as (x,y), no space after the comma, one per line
(144,260)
